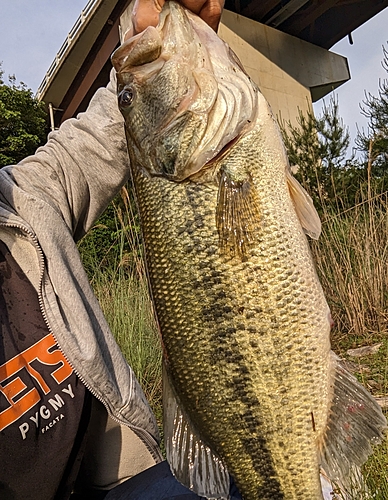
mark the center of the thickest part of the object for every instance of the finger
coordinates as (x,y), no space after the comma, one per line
(146,13)
(194,5)
(211,12)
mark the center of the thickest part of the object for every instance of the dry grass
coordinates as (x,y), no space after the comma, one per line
(351,258)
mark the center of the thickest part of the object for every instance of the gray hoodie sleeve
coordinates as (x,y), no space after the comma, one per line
(83,164)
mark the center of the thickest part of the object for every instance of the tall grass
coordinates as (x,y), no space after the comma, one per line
(126,304)
(118,277)
(351,258)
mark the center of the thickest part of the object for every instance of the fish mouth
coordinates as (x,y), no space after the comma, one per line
(141,48)
(138,52)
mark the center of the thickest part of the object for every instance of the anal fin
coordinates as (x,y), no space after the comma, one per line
(191,461)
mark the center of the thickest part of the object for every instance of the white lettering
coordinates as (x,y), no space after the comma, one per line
(56,402)
(35,419)
(24,429)
(69,390)
(52,423)
(44,412)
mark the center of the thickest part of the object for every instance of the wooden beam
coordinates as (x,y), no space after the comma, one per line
(308,15)
(99,61)
(286,12)
(326,22)
(258,10)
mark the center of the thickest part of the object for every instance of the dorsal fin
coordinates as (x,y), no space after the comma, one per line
(304,207)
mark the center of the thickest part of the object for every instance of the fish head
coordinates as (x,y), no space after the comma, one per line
(180,105)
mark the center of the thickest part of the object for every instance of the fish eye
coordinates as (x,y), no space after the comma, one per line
(126,97)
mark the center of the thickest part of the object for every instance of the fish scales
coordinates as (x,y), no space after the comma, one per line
(242,315)
(240,338)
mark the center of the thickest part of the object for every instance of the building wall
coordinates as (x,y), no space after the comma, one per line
(291,73)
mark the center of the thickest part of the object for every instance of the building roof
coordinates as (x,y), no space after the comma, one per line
(321,22)
(82,64)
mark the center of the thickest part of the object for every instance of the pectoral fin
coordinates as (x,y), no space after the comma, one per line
(191,461)
(237,215)
(356,422)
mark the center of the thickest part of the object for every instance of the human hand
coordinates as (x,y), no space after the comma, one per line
(146,12)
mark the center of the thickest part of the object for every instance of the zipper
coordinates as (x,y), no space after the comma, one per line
(145,436)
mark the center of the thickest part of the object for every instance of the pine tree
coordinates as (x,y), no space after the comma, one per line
(374,142)
(317,149)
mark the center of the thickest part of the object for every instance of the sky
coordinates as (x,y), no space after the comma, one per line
(364,59)
(32,31)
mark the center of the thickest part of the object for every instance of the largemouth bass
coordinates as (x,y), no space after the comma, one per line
(251,386)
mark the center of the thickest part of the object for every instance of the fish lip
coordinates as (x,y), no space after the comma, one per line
(152,35)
